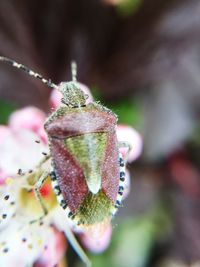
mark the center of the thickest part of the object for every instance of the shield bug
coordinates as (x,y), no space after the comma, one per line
(87,170)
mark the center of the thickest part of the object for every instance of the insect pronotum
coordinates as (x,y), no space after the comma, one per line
(87,171)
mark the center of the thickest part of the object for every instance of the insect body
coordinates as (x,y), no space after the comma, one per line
(85,158)
(88,171)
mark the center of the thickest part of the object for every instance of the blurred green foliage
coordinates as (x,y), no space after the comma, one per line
(128,110)
(6,109)
(133,240)
(128,7)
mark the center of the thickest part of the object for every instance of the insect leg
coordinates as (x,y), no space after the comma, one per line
(43,161)
(37,187)
(74,243)
(123,144)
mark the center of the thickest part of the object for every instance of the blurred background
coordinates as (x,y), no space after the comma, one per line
(142,59)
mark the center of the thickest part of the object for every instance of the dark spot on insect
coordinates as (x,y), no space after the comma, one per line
(122,179)
(118,202)
(79,223)
(30,171)
(44,153)
(70,214)
(122,174)
(121,188)
(30,190)
(57,190)
(121,162)
(82,221)
(73,217)
(6,197)
(23,68)
(19,172)
(120,193)
(41,223)
(12,203)
(53,176)
(63,101)
(4,216)
(24,240)
(37,141)
(63,204)
(5,250)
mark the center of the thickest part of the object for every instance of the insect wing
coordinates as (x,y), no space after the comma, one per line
(85,158)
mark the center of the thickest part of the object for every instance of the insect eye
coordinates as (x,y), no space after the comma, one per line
(86,96)
(63,101)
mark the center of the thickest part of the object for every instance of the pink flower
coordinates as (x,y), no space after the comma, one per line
(30,118)
(54,251)
(17,207)
(97,244)
(18,150)
(44,244)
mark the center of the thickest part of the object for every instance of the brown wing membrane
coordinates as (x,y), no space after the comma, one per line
(69,174)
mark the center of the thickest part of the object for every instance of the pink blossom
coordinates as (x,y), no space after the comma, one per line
(53,251)
(30,118)
(97,244)
(4,131)
(18,150)
(3,176)
(114,2)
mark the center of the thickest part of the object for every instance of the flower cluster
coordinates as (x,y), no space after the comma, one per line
(23,144)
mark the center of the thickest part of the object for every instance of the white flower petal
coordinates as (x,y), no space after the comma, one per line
(22,244)
(20,151)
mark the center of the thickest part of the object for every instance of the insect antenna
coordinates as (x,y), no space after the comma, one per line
(74,71)
(28,71)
